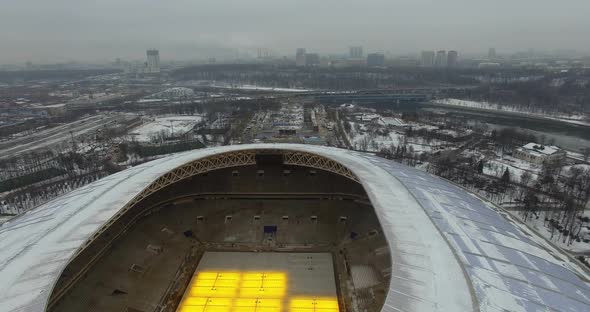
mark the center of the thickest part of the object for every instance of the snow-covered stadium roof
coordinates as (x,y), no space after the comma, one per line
(450,250)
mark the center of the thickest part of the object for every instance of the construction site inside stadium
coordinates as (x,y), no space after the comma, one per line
(251,230)
(280,227)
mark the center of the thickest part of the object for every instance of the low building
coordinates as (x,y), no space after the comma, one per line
(54,110)
(539,154)
(366,117)
(391,122)
(314,140)
(488,65)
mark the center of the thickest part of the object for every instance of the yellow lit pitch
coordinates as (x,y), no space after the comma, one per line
(310,304)
(211,292)
(263,285)
(215,284)
(257,305)
(235,292)
(203,304)
(248,292)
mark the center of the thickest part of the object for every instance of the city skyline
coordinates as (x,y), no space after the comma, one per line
(188,30)
(139,60)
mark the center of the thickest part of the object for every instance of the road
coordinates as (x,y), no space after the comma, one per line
(55,136)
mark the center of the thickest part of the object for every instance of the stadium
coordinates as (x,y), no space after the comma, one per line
(280,227)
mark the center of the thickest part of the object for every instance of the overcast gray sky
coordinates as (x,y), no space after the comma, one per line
(63,30)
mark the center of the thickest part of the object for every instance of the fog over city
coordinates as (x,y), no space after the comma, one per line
(67,30)
(294,156)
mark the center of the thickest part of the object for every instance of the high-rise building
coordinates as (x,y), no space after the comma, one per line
(492,54)
(427,58)
(441,59)
(300,57)
(264,53)
(153,61)
(356,52)
(375,59)
(452,58)
(312,59)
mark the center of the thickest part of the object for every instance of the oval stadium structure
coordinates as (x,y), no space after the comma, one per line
(280,227)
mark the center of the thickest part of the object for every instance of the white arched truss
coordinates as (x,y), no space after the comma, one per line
(221,161)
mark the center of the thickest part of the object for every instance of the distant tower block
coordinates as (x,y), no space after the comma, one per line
(452,58)
(427,58)
(153,61)
(300,57)
(356,52)
(492,54)
(441,59)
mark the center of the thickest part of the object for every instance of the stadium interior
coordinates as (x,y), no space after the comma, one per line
(152,256)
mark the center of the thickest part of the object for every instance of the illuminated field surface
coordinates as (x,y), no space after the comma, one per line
(262,282)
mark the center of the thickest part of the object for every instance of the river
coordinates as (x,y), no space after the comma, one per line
(568,136)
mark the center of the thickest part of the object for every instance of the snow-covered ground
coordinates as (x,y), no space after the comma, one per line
(574,119)
(175,125)
(259,88)
(361,136)
(143,101)
(565,170)
(515,166)
(562,241)
(5,218)
(574,155)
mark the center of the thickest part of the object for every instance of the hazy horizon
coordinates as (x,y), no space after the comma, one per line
(67,30)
